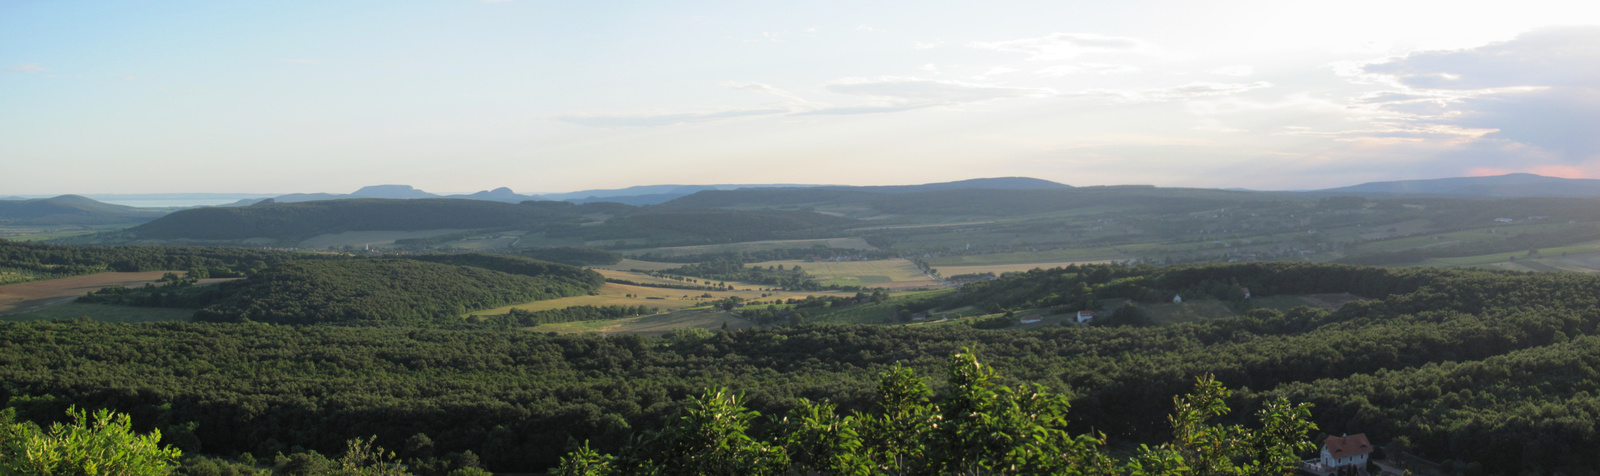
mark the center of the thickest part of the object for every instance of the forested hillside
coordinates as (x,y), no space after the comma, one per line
(32,261)
(1492,371)
(72,210)
(306,219)
(431,290)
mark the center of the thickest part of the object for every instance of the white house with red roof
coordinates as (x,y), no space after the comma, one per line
(1349,450)
(1085,316)
(1032,319)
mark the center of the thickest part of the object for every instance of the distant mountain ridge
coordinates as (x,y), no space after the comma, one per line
(654,194)
(71,210)
(1498,186)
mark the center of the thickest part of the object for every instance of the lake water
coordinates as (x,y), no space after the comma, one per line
(191,202)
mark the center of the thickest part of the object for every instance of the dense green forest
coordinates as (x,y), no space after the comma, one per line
(1491,372)
(32,261)
(428,290)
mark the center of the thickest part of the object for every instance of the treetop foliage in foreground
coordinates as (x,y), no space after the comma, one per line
(976,426)
(102,445)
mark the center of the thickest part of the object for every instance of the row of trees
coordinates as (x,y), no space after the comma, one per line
(572,314)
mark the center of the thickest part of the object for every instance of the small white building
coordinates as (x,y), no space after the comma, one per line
(1085,316)
(1032,319)
(1177,298)
(1349,450)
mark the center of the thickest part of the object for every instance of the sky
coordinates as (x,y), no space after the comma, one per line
(457,96)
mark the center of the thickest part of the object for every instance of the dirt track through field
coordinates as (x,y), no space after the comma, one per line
(38,295)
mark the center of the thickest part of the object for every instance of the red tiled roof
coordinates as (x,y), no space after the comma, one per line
(1352,445)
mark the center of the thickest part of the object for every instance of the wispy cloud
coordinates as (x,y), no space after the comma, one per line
(1062,46)
(768,89)
(1540,89)
(1188,91)
(1235,70)
(1564,56)
(664,118)
(1086,68)
(790,103)
(899,88)
(884,94)
(27,68)
(995,71)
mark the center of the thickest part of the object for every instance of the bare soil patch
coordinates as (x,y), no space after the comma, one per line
(26,297)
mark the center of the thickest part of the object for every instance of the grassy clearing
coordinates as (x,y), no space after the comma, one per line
(1026,257)
(361,239)
(631,264)
(40,233)
(889,274)
(854,243)
(480,243)
(1187,311)
(710,319)
(102,313)
(1284,303)
(1582,255)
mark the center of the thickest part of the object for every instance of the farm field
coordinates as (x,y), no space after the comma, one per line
(481,243)
(854,243)
(36,295)
(40,233)
(102,313)
(709,319)
(1025,257)
(360,239)
(1583,256)
(629,264)
(645,278)
(613,294)
(1463,236)
(893,274)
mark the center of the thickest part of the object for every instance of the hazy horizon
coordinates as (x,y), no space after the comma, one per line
(458,97)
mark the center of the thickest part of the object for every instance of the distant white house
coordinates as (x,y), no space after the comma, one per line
(1246,292)
(1349,450)
(1032,319)
(1085,316)
(1177,298)
(1504,220)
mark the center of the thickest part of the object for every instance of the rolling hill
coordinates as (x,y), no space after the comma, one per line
(72,210)
(1500,186)
(306,219)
